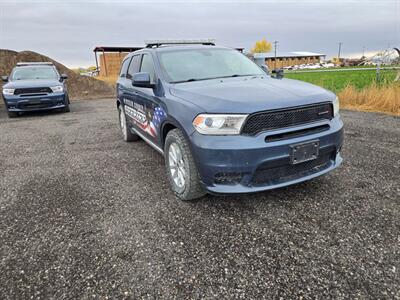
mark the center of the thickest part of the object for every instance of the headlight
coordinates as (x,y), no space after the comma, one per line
(219,124)
(335,106)
(8,92)
(57,89)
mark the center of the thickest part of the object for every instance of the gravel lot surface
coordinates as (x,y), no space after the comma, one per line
(84,214)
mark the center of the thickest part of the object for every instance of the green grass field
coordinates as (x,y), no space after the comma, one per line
(338,80)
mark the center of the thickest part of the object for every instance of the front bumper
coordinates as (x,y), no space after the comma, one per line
(35,103)
(241,161)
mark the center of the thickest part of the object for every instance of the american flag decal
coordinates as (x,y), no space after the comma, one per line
(152,127)
(158,117)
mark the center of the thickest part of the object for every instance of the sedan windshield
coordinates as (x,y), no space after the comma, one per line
(29,73)
(201,64)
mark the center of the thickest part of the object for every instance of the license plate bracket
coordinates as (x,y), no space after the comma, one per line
(34,101)
(304,152)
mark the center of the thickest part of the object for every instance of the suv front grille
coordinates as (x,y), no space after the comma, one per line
(275,119)
(287,171)
(37,90)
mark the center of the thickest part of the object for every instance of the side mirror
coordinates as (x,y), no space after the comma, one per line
(142,79)
(265,69)
(4,78)
(63,77)
(278,73)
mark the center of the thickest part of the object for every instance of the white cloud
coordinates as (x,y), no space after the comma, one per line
(68,30)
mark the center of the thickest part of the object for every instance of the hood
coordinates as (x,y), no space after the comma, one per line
(17,84)
(249,94)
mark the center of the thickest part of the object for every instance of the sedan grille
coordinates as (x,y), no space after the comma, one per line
(36,90)
(275,119)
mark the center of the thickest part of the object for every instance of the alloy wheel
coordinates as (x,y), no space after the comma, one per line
(177,165)
(122,120)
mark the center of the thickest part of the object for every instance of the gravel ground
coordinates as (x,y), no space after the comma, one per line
(84,214)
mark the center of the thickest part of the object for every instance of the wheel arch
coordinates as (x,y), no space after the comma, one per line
(169,124)
(167,127)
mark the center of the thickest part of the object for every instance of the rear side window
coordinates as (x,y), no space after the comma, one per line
(148,66)
(133,66)
(124,67)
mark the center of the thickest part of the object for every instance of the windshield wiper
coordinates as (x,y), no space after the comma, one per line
(241,75)
(210,78)
(187,80)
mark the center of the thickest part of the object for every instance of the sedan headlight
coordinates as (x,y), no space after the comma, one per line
(57,89)
(8,92)
(335,106)
(219,124)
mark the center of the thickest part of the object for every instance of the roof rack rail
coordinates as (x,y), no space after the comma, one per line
(20,64)
(158,43)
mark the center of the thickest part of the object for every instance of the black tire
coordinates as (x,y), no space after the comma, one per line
(127,135)
(12,114)
(66,109)
(192,188)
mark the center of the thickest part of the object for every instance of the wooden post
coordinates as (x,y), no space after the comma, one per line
(97,63)
(378,71)
(105,64)
(397,76)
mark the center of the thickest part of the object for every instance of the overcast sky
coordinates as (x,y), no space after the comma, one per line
(68,30)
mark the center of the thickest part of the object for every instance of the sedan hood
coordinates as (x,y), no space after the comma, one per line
(17,84)
(249,94)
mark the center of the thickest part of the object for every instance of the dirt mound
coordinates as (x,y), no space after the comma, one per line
(79,87)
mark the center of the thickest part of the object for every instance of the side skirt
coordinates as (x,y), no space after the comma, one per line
(161,151)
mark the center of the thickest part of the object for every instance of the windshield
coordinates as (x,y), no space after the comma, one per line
(29,73)
(201,64)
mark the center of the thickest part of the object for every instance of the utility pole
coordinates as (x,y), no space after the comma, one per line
(363,52)
(275,46)
(340,48)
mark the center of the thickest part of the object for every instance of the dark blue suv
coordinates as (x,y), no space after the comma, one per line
(34,86)
(223,124)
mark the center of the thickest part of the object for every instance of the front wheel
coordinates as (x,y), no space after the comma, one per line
(181,169)
(127,135)
(66,109)
(12,114)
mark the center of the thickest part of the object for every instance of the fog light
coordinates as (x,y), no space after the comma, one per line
(228,178)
